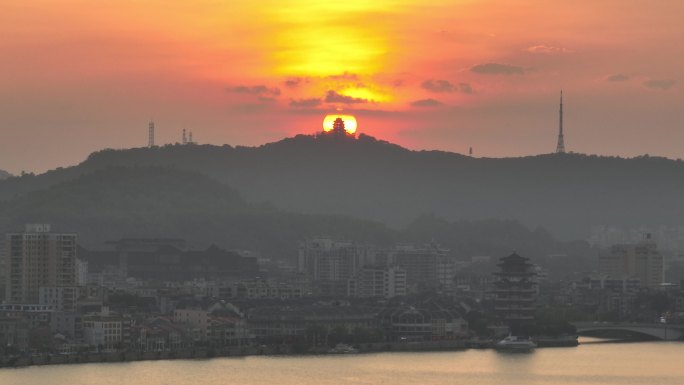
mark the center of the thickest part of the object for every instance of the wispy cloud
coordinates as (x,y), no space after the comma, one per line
(546,49)
(344,76)
(306,103)
(660,84)
(255,90)
(466,88)
(433,85)
(295,82)
(618,78)
(426,103)
(497,69)
(445,86)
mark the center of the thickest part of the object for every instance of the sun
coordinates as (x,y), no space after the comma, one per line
(349,122)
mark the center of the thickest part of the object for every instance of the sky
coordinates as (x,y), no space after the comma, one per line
(78,76)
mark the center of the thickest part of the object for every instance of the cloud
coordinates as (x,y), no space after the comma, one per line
(443,86)
(334,97)
(344,76)
(266,99)
(295,82)
(260,90)
(305,103)
(438,86)
(660,84)
(497,69)
(618,78)
(426,103)
(546,49)
(466,88)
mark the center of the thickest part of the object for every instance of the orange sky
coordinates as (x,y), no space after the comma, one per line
(78,76)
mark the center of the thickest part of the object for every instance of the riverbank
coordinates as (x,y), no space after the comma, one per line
(236,351)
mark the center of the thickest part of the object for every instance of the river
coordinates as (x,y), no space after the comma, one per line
(591,363)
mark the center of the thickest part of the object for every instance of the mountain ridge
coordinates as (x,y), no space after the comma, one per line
(380,181)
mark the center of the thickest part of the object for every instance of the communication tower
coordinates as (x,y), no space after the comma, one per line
(150,134)
(560,147)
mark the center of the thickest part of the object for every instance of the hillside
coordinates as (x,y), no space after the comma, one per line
(162,202)
(117,202)
(376,180)
(4,175)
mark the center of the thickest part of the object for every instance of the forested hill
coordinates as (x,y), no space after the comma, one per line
(376,180)
(117,202)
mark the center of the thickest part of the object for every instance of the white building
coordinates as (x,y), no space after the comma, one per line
(103,331)
(61,298)
(378,281)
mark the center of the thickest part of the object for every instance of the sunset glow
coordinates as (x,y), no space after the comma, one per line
(424,74)
(349,123)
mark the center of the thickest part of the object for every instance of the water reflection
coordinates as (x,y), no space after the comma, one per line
(595,362)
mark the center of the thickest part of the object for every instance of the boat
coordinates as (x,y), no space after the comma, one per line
(343,349)
(515,344)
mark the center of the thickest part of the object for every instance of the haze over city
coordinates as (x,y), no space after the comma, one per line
(480,192)
(79,76)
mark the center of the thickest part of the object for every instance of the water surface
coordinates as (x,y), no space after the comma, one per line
(652,363)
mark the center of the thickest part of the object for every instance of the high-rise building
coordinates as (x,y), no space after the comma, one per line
(642,261)
(38,258)
(515,290)
(325,259)
(422,264)
(378,281)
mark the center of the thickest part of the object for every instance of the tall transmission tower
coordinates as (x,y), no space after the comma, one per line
(560,147)
(184,139)
(150,134)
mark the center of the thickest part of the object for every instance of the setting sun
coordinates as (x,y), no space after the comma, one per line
(349,122)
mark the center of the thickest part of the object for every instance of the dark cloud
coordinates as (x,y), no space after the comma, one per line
(433,85)
(334,97)
(426,103)
(306,103)
(466,88)
(660,84)
(295,82)
(497,69)
(618,78)
(443,86)
(260,90)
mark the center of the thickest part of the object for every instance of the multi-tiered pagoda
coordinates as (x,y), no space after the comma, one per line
(515,290)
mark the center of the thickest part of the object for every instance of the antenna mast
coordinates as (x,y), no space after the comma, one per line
(560,147)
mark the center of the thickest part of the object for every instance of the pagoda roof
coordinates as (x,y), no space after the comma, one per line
(514,259)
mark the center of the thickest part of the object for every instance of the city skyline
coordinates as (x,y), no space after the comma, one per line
(447,75)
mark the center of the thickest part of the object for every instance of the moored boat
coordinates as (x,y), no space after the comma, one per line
(343,349)
(515,344)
